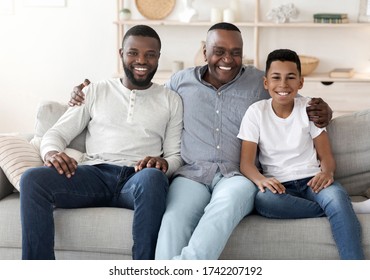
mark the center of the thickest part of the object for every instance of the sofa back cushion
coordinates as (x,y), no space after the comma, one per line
(48,114)
(350,139)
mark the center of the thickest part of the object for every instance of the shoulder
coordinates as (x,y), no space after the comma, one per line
(260,105)
(103,85)
(168,93)
(249,70)
(301,101)
(181,77)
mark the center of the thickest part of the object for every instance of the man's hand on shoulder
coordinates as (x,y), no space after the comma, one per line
(155,162)
(319,112)
(61,162)
(77,96)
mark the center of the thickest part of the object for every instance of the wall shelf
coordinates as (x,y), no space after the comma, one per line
(256,25)
(344,95)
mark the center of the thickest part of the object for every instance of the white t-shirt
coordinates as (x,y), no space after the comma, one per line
(286,149)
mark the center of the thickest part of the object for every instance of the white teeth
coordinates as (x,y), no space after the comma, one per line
(283,93)
(140,69)
(225,68)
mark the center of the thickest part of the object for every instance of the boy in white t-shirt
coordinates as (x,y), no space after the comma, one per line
(296,158)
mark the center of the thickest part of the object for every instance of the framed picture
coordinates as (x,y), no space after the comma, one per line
(6,7)
(364,13)
(45,3)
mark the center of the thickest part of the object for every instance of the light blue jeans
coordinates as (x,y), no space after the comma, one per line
(199,219)
(300,201)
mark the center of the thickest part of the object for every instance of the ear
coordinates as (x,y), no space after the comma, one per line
(204,52)
(120,52)
(265,83)
(301,82)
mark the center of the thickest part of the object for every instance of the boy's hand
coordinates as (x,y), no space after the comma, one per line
(272,184)
(321,181)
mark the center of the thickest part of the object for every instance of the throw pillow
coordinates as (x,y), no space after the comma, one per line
(16,156)
(48,114)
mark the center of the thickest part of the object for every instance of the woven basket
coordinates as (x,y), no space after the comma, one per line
(308,64)
(155,10)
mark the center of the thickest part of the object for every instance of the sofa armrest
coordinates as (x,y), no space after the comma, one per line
(6,187)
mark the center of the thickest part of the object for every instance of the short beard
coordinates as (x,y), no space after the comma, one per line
(143,83)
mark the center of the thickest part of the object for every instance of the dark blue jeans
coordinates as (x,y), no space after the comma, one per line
(300,201)
(103,185)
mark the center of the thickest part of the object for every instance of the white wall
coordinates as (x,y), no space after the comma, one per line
(44,52)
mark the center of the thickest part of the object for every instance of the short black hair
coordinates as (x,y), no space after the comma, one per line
(283,55)
(224,26)
(142,30)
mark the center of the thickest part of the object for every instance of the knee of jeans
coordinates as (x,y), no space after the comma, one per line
(29,180)
(262,199)
(153,182)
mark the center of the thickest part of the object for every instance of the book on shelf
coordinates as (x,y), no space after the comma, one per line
(342,73)
(330,15)
(330,20)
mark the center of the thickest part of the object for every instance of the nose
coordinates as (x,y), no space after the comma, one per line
(227,57)
(283,82)
(140,58)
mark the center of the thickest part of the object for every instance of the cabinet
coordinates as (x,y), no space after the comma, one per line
(314,83)
(345,96)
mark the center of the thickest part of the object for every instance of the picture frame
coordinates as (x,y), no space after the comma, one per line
(364,12)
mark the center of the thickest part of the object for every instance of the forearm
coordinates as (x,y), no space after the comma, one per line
(64,131)
(328,166)
(252,173)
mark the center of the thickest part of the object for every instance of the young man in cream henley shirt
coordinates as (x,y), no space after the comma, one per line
(132,143)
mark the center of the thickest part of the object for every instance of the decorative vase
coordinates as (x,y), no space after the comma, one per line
(199,59)
(189,13)
(125,14)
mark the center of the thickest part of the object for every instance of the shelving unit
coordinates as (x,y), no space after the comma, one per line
(256,25)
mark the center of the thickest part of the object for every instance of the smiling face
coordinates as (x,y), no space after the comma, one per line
(224,54)
(140,57)
(283,81)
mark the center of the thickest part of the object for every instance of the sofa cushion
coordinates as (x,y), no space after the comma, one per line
(349,136)
(48,114)
(16,156)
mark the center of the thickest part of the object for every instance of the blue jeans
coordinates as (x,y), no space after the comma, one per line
(300,201)
(103,185)
(199,219)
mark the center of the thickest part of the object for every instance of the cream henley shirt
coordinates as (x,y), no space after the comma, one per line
(123,126)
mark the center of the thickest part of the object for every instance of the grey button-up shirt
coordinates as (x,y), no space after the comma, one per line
(212,119)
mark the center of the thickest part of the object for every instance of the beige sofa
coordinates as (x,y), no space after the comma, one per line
(105,233)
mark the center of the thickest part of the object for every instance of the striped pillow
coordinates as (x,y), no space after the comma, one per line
(16,156)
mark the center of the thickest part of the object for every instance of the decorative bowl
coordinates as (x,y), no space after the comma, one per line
(308,64)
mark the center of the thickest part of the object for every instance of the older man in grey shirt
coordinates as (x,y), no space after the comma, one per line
(208,197)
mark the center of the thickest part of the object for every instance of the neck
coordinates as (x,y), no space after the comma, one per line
(128,84)
(282,110)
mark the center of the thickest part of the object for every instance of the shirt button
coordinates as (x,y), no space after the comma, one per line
(217,111)
(217,129)
(218,147)
(219,93)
